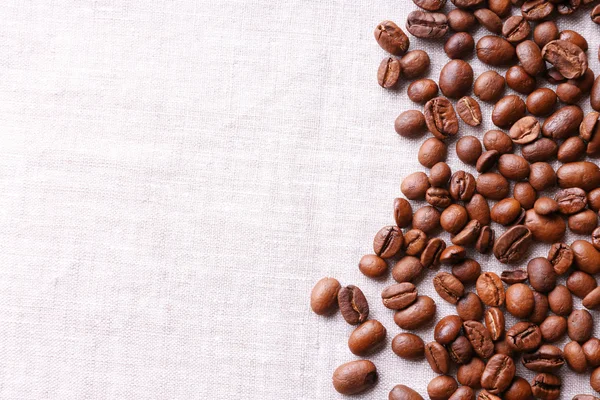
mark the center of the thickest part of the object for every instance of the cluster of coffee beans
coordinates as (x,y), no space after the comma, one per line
(520,150)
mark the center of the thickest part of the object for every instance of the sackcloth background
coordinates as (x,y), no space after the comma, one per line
(174,178)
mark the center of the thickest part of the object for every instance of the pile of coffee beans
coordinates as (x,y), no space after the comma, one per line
(531,203)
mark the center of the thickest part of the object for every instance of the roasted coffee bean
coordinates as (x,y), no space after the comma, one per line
(500,7)
(519,389)
(480,338)
(498,374)
(468,149)
(545,228)
(546,386)
(584,222)
(469,111)
(561,257)
(585,257)
(595,14)
(478,208)
(399,295)
(554,77)
(470,307)
(461,20)
(568,7)
(355,377)
(402,212)
(571,201)
(454,218)
(571,150)
(513,244)
(575,38)
(427,25)
(440,174)
(581,283)
(513,167)
(353,305)
(493,186)
(391,38)
(408,346)
(540,308)
(366,338)
(438,357)
(524,336)
(525,130)
(547,358)
(499,141)
(438,197)
(588,126)
(414,64)
(545,32)
(581,174)
(462,186)
(323,297)
(431,152)
(415,241)
(489,20)
(441,118)
(507,111)
(448,287)
(596,238)
(542,176)
(415,185)
(519,300)
(594,199)
(456,79)
(388,241)
(418,314)
(591,350)
(563,123)
(537,10)
(422,90)
(485,241)
(426,219)
(453,255)
(592,300)
(595,95)
(402,392)
(580,326)
(407,269)
(494,320)
(541,102)
(459,46)
(516,29)
(494,50)
(468,235)
(489,86)
(543,149)
(372,266)
(467,271)
(388,73)
(470,374)
(441,387)
(463,393)
(519,80)
(595,380)
(568,93)
(430,257)
(410,124)
(566,57)
(468,4)
(541,274)
(530,56)
(430,5)
(513,276)
(585,397)
(574,356)
(553,328)
(545,206)
(560,300)
(447,329)
(490,289)
(486,161)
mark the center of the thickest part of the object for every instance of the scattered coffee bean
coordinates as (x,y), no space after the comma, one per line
(467,271)
(426,219)
(545,206)
(513,167)
(414,64)
(541,274)
(580,326)
(543,149)
(430,257)
(516,29)
(456,79)
(519,389)
(514,276)
(478,209)
(480,338)
(470,307)
(438,357)
(493,186)
(448,287)
(571,150)
(545,32)
(536,10)
(594,199)
(430,5)
(461,20)
(585,257)
(519,80)
(441,387)
(596,238)
(427,25)
(366,338)
(415,241)
(513,244)
(438,197)
(500,7)
(498,374)
(399,296)
(431,152)
(468,4)
(581,283)
(553,328)
(542,176)
(468,149)
(524,336)
(496,51)
(402,212)
(440,174)
(453,255)
(584,222)
(402,392)
(560,300)
(591,350)
(489,86)
(408,346)
(494,321)
(355,377)
(391,38)
(563,123)
(507,111)
(459,46)
(575,38)
(561,257)
(323,297)
(592,300)
(547,358)
(353,305)
(485,241)
(469,111)
(541,102)
(410,124)
(447,329)
(540,308)
(469,374)
(417,314)
(574,356)
(422,90)
(388,73)
(582,174)
(519,300)
(490,289)
(525,130)
(487,161)
(415,185)
(407,269)
(595,14)
(567,58)
(388,241)
(468,235)
(489,20)
(441,118)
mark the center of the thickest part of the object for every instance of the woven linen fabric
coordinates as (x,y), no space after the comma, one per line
(174,178)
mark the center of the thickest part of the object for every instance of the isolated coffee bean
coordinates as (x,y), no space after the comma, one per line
(507,111)
(323,297)
(580,326)
(479,209)
(524,336)
(438,357)
(561,257)
(467,271)
(408,346)
(441,118)
(388,73)
(431,152)
(417,314)
(511,277)
(407,269)
(574,356)
(541,274)
(566,57)
(541,102)
(430,5)
(494,321)
(353,305)
(355,377)
(595,15)
(415,241)
(519,300)
(388,241)
(513,244)
(391,38)
(440,174)
(461,20)
(545,32)
(470,307)
(469,111)
(568,7)
(563,123)
(422,90)
(581,284)
(448,287)
(581,174)
(410,124)
(489,86)
(571,150)
(402,392)
(536,10)
(553,328)
(447,329)
(525,130)
(427,25)
(441,387)
(459,46)
(414,64)
(366,338)
(430,257)
(456,79)
(547,358)
(399,296)
(468,149)
(470,374)
(494,50)
(498,374)
(493,186)
(560,300)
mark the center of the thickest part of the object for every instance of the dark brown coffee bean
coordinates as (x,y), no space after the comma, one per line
(418,314)
(323,297)
(580,326)
(372,266)
(545,206)
(407,269)
(493,186)
(480,338)
(486,161)
(463,393)
(584,222)
(470,374)
(468,149)
(430,5)
(546,386)
(566,57)
(461,20)
(563,123)
(574,356)
(545,32)
(459,46)
(568,93)
(541,102)
(478,209)
(525,130)
(430,257)
(591,350)
(524,336)
(410,124)
(514,276)
(422,90)
(388,241)
(467,271)
(519,389)
(581,283)
(595,95)
(469,111)
(408,346)
(453,255)
(402,392)
(537,10)
(441,387)
(485,241)
(494,50)
(353,305)
(585,257)
(547,358)
(498,374)
(494,320)
(399,295)
(581,174)
(589,125)
(355,377)
(489,20)
(571,150)
(561,257)
(499,141)
(468,4)
(402,212)
(447,329)
(414,64)
(541,274)
(427,25)
(500,7)
(367,338)
(542,176)
(426,219)
(438,357)
(448,287)
(441,118)
(432,151)
(415,241)
(595,380)
(513,244)
(502,347)
(553,328)
(530,56)
(554,77)
(489,86)
(543,149)
(519,300)
(575,38)
(545,228)
(454,218)
(519,80)
(560,300)
(388,73)
(516,29)
(594,199)
(440,174)
(568,7)
(456,79)
(596,238)
(540,308)
(462,186)
(415,185)
(391,38)
(507,111)
(595,14)
(470,307)
(490,289)
(506,211)
(513,167)
(468,235)
(438,197)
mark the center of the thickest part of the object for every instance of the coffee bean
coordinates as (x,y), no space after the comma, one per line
(430,5)
(408,346)
(594,199)
(439,175)
(480,338)
(547,358)
(459,46)
(537,10)
(563,123)
(467,271)
(469,111)
(502,347)
(470,307)
(415,241)
(514,276)
(545,32)
(489,20)
(372,266)
(530,57)
(585,257)
(546,386)
(496,51)
(478,209)
(468,235)
(490,289)
(426,219)
(430,257)
(596,238)
(568,7)
(462,186)
(454,218)
(540,308)
(584,222)
(589,127)
(422,90)
(545,206)
(595,95)
(519,389)
(407,269)
(402,392)
(468,149)
(591,350)
(366,338)
(592,300)
(486,161)
(402,212)
(580,326)
(498,374)
(581,283)
(525,130)
(440,118)
(493,186)
(499,141)
(461,351)
(571,150)
(519,300)
(431,152)
(453,255)
(581,174)
(595,14)
(388,73)
(399,296)
(502,8)
(543,149)
(414,64)
(456,79)
(585,397)
(441,387)
(437,357)
(524,336)
(494,320)
(470,374)
(323,297)
(388,241)
(554,77)
(353,305)
(519,80)
(566,57)
(489,86)
(447,329)
(391,38)
(561,257)
(355,377)
(516,29)
(448,287)
(575,38)
(574,356)
(553,328)
(541,274)
(461,20)
(463,393)
(541,102)
(486,239)
(468,4)
(560,300)
(507,111)
(410,124)
(438,197)
(513,244)
(542,176)
(418,314)
(513,167)
(427,25)
(595,380)
(415,185)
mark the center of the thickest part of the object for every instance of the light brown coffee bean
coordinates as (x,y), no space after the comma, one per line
(490,289)
(493,186)
(448,287)
(366,338)
(580,326)
(467,271)
(421,312)
(355,377)
(430,257)
(553,328)
(560,300)
(323,297)
(388,241)
(399,296)
(575,357)
(561,257)
(478,209)
(470,374)
(391,38)
(470,307)
(422,90)
(414,64)
(541,102)
(408,346)
(494,321)
(519,300)
(479,337)
(440,174)
(469,111)
(437,357)
(513,167)
(410,124)
(581,283)
(407,269)
(525,194)
(372,266)
(489,86)
(388,73)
